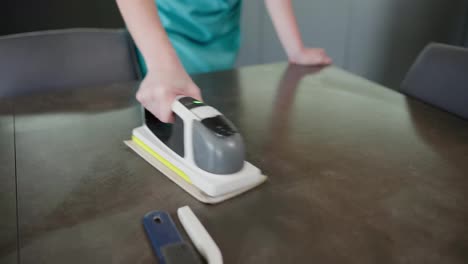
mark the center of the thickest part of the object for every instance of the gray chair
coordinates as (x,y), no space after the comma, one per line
(64,59)
(439,77)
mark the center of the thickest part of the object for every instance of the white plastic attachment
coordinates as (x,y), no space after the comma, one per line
(199,236)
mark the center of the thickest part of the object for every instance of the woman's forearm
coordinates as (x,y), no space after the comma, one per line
(284,21)
(142,20)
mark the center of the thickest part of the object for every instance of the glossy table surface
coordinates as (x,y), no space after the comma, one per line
(8,228)
(358,173)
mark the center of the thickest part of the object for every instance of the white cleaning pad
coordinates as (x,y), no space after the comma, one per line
(191,189)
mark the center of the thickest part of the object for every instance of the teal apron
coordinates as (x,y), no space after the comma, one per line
(204,33)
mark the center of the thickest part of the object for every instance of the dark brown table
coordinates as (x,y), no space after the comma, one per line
(358,173)
(8,228)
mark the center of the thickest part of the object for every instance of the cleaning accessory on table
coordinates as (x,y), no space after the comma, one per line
(202,151)
(199,236)
(166,240)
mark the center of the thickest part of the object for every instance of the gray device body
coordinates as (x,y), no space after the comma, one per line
(217,145)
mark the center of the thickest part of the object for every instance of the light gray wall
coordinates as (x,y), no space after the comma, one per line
(377,39)
(252,41)
(261,45)
(324,23)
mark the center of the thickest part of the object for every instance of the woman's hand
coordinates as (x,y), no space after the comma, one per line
(284,21)
(310,56)
(158,91)
(166,77)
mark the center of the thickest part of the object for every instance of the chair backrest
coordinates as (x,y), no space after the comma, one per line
(439,77)
(62,59)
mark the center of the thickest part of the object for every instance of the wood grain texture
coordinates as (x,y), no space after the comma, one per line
(357,174)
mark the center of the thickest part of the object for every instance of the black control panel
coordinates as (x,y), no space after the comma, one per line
(190,102)
(220,126)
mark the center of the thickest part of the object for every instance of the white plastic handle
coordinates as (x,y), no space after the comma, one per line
(199,236)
